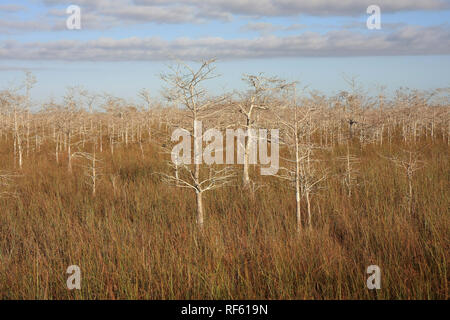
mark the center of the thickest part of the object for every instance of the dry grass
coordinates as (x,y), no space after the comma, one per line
(141,242)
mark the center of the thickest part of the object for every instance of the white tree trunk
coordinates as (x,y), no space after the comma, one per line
(199,209)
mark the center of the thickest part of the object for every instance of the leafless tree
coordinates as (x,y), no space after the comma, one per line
(7,183)
(410,162)
(185,87)
(260,96)
(92,170)
(299,170)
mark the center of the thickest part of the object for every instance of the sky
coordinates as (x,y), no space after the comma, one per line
(123,46)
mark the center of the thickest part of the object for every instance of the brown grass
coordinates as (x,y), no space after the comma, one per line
(143,243)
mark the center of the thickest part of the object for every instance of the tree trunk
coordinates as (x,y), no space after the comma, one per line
(197,159)
(199,209)
(298,207)
(297,181)
(349,171)
(246,177)
(308,201)
(94,175)
(69,155)
(410,200)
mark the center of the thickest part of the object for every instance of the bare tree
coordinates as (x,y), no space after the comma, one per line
(259,97)
(6,183)
(144,94)
(30,81)
(186,88)
(410,162)
(299,170)
(292,139)
(70,111)
(92,171)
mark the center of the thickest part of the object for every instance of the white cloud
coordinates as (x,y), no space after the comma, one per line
(11,8)
(14,26)
(309,7)
(195,11)
(410,40)
(261,27)
(265,28)
(104,14)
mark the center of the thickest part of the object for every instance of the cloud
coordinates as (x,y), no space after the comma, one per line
(15,26)
(265,28)
(113,13)
(409,40)
(197,11)
(106,14)
(11,8)
(309,7)
(295,27)
(261,27)
(18,68)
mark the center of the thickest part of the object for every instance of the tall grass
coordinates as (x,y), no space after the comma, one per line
(141,242)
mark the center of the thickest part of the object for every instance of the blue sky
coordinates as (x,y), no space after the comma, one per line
(123,45)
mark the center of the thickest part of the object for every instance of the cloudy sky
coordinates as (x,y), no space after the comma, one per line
(123,45)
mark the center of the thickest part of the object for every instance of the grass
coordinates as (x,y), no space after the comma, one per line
(141,242)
